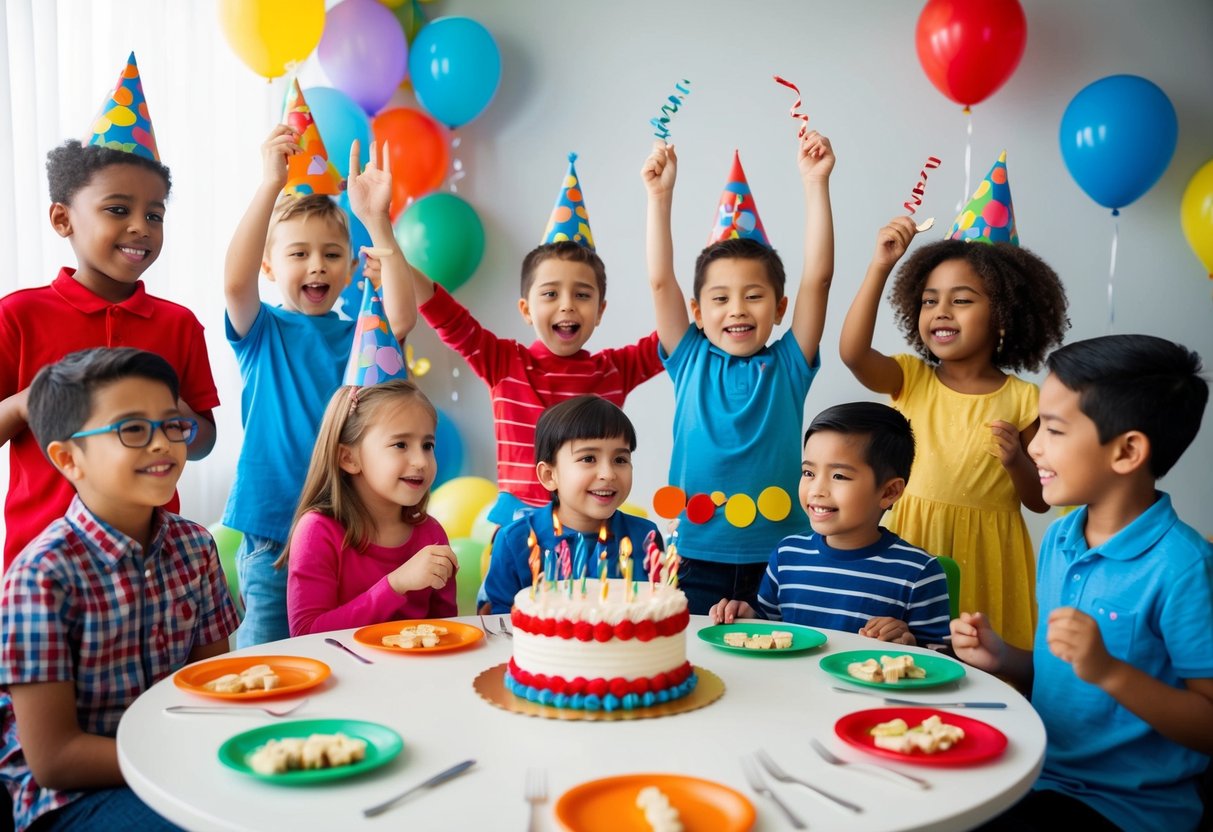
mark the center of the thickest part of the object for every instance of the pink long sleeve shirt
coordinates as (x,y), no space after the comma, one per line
(332,587)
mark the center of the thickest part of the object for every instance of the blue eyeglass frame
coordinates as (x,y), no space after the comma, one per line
(155,424)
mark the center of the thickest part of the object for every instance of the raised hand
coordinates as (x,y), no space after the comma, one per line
(281,144)
(1074,638)
(660,169)
(893,240)
(815,157)
(976,643)
(370,189)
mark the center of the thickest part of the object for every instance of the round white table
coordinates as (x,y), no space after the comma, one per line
(772,703)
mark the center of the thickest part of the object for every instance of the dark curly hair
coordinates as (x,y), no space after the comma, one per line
(1027,300)
(72,165)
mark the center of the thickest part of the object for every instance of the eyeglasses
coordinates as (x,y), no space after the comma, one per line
(137,433)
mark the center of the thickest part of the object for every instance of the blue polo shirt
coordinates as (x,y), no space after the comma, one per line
(737,431)
(1150,588)
(510,571)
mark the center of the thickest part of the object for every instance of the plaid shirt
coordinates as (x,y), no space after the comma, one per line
(82,603)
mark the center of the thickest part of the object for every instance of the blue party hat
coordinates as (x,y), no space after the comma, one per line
(569,220)
(375,356)
(989,217)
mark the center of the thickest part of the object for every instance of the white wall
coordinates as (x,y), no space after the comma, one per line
(588,76)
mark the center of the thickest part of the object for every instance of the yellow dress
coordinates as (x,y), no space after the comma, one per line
(961,502)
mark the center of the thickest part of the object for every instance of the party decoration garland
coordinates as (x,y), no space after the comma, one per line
(915,199)
(794,110)
(661,123)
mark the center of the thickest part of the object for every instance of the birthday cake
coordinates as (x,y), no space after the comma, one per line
(590,652)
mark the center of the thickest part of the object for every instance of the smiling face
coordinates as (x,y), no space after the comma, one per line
(592,478)
(309,258)
(393,465)
(839,492)
(737,307)
(563,304)
(115,225)
(955,318)
(1075,467)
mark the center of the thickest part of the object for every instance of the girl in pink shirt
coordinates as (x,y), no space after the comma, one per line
(362,549)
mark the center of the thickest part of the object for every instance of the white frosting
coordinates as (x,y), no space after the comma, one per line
(631,659)
(646,606)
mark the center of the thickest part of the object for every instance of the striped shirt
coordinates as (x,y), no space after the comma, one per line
(524,381)
(808,582)
(83,603)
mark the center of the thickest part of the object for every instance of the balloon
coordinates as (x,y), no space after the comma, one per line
(1117,137)
(227,543)
(1196,215)
(441,235)
(485,559)
(411,17)
(420,152)
(269,35)
(448,450)
(364,52)
(633,509)
(482,526)
(456,503)
(969,48)
(467,579)
(455,68)
(340,121)
(351,295)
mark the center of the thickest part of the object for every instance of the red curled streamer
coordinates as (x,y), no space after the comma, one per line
(804,128)
(915,200)
(661,128)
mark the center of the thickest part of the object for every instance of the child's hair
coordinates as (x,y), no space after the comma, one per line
(740,249)
(319,206)
(563,250)
(890,449)
(1027,300)
(327,488)
(61,394)
(71,166)
(1137,382)
(581,417)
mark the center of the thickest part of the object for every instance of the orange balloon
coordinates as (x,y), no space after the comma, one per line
(420,152)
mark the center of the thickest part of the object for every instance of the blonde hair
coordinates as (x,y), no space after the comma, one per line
(328,489)
(289,207)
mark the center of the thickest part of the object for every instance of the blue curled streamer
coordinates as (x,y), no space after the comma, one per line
(661,122)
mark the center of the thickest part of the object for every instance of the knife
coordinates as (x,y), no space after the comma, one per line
(440,777)
(923,704)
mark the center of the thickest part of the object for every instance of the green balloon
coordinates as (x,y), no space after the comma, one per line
(441,235)
(467,552)
(227,542)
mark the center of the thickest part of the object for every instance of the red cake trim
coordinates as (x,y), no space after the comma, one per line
(582,631)
(618,685)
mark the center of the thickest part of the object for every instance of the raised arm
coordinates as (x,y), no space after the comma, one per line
(875,370)
(245,253)
(670,305)
(370,192)
(816,161)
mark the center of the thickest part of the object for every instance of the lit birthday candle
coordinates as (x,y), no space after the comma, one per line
(602,572)
(652,560)
(671,565)
(557,529)
(625,566)
(581,564)
(566,565)
(533,561)
(549,570)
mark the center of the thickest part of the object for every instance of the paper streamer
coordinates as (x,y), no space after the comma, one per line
(661,123)
(915,199)
(794,110)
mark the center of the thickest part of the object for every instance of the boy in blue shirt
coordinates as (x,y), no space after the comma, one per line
(583,452)
(1122,666)
(850,574)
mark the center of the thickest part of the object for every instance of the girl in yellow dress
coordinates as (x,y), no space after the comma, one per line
(972,312)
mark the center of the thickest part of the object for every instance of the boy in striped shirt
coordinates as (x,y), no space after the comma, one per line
(851,574)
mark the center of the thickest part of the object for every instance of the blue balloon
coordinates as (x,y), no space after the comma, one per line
(455,68)
(340,120)
(448,450)
(351,295)
(1117,138)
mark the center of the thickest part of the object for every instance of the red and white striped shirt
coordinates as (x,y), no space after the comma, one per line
(524,381)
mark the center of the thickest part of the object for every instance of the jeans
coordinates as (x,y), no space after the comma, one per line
(705,582)
(263,591)
(102,810)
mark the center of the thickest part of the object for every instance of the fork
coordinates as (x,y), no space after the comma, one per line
(892,774)
(760,787)
(484,625)
(775,770)
(220,709)
(503,623)
(534,792)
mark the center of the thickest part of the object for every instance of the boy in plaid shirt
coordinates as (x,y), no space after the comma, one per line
(109,599)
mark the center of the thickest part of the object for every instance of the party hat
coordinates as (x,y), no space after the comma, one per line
(989,217)
(736,215)
(569,220)
(375,355)
(310,171)
(122,123)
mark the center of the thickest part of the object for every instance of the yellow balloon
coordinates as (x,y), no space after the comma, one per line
(1196,215)
(271,35)
(456,503)
(633,509)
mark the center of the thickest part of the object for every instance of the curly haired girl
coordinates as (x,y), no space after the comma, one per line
(974,313)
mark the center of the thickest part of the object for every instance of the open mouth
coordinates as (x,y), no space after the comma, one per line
(739,330)
(566,330)
(413,482)
(315,292)
(822,511)
(603,495)
(160,469)
(135,254)
(1046,476)
(944,335)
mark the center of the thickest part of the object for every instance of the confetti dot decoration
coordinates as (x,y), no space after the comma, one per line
(375,355)
(741,510)
(736,213)
(123,122)
(309,171)
(569,219)
(989,217)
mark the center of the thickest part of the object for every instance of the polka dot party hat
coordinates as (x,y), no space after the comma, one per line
(569,220)
(309,172)
(122,123)
(375,355)
(989,217)
(736,214)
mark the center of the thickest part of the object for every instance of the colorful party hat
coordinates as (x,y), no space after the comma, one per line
(375,355)
(989,217)
(308,172)
(569,220)
(122,123)
(736,215)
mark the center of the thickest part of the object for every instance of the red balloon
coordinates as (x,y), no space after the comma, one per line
(420,153)
(969,48)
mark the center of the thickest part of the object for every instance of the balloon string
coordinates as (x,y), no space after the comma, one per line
(457,171)
(661,123)
(794,109)
(1112,272)
(968,159)
(915,199)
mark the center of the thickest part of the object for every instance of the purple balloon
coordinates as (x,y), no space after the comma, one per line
(364,52)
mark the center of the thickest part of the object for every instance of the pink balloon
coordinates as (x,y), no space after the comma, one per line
(364,52)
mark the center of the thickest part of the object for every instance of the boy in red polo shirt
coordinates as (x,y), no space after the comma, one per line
(108,200)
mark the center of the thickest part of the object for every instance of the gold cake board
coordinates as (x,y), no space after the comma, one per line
(490,684)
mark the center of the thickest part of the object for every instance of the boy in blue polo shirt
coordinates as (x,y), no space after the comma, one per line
(1122,666)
